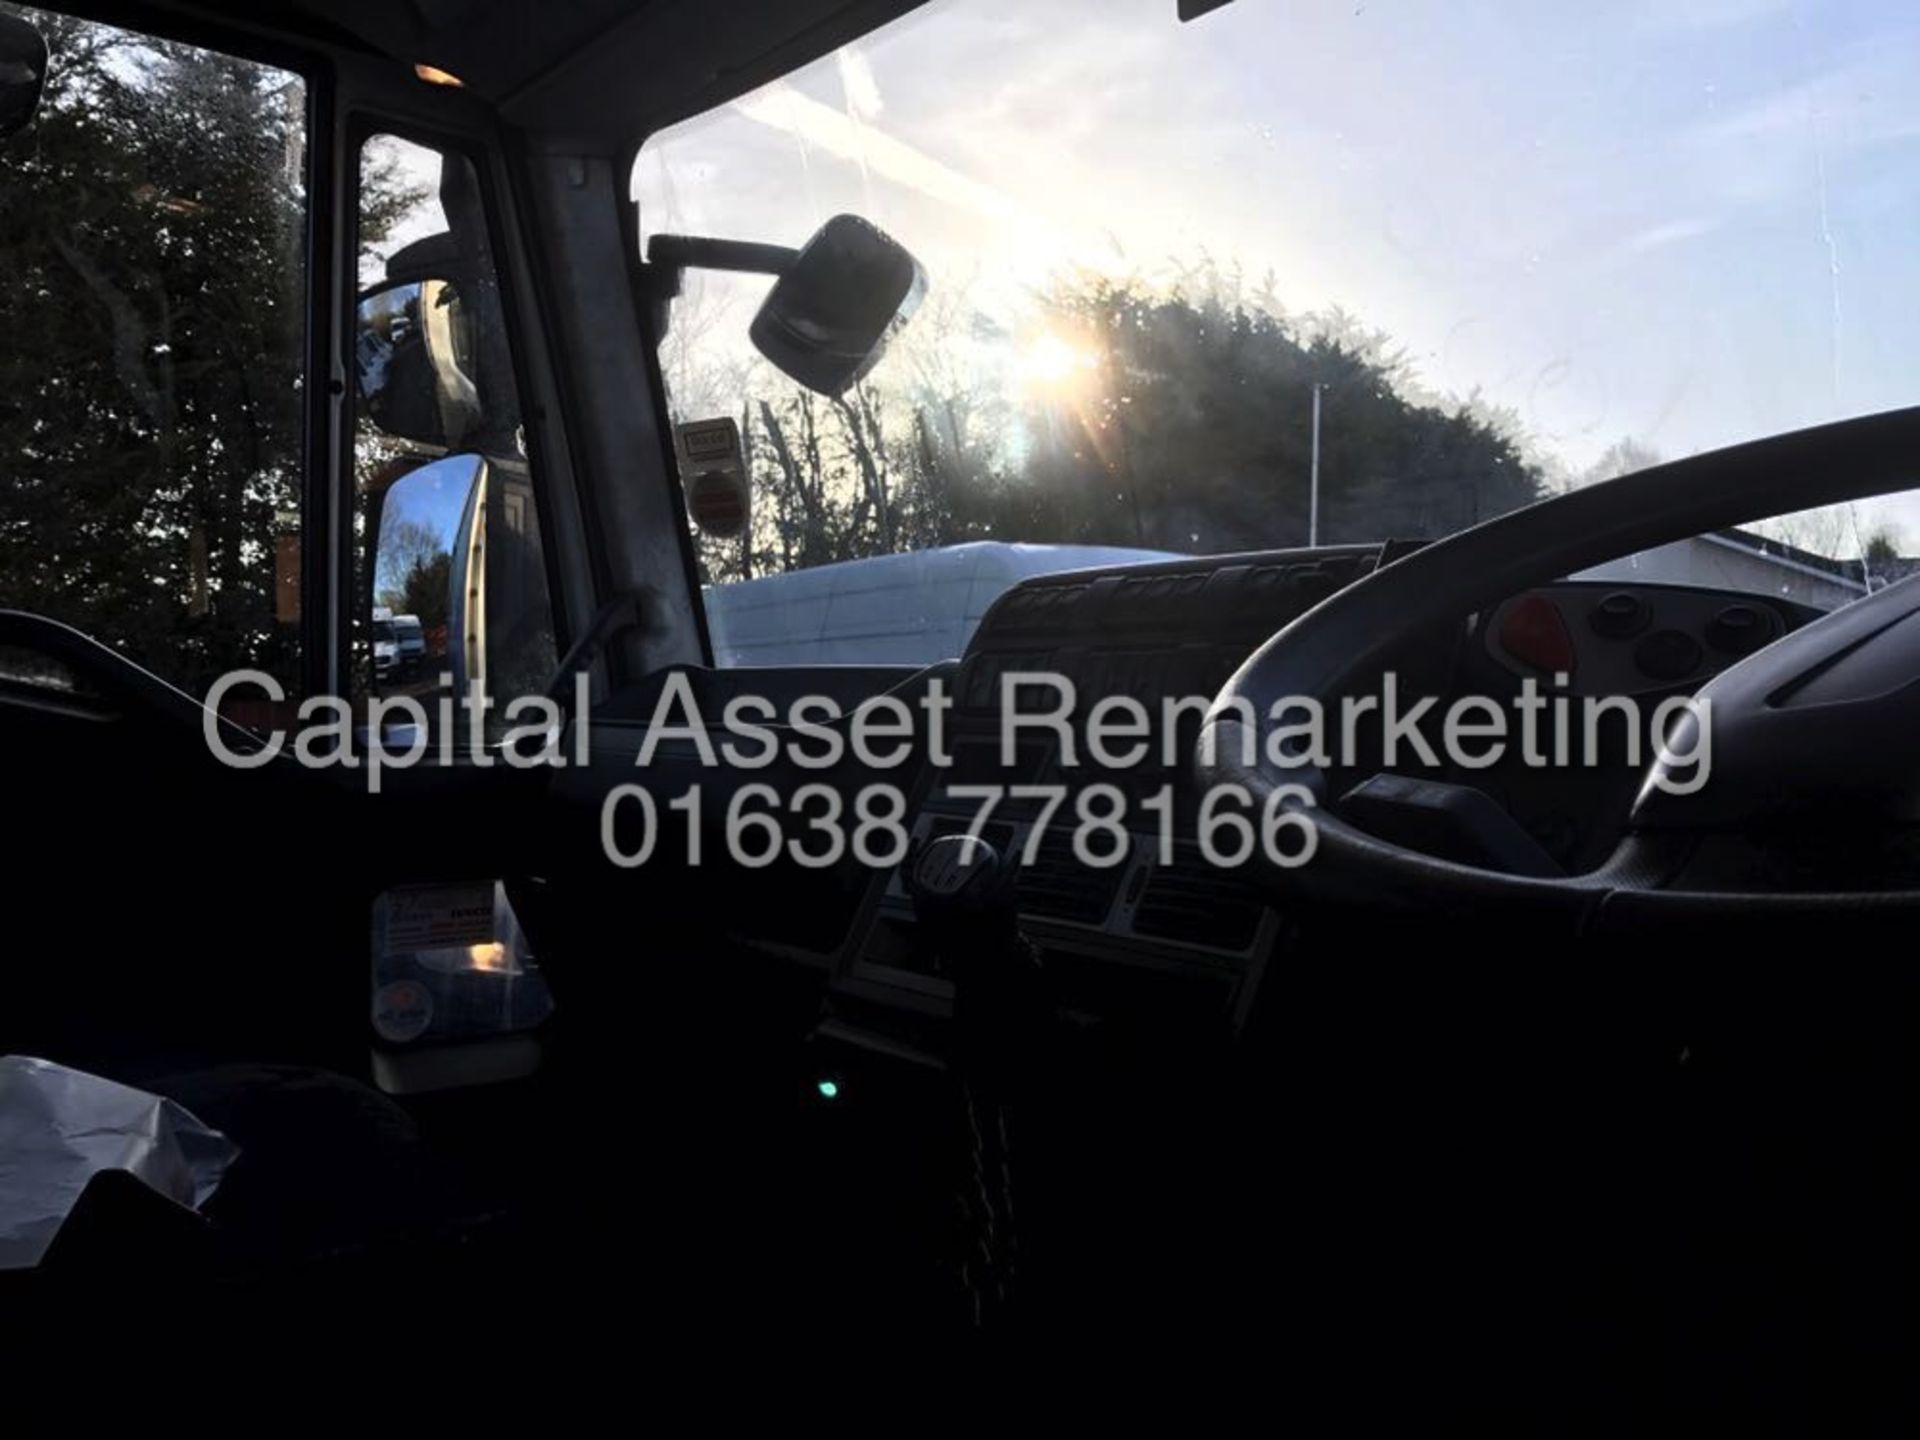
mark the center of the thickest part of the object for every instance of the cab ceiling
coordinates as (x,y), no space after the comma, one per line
(616,68)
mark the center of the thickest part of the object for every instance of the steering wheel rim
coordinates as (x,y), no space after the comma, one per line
(118,679)
(1323,651)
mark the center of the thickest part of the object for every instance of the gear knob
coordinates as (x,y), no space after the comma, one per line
(963,888)
(966,900)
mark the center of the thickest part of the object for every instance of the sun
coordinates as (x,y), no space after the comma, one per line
(1051,364)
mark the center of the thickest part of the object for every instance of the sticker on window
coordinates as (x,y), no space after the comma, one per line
(713,471)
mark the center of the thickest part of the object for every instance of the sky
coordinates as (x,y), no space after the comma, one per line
(1681,222)
(433,496)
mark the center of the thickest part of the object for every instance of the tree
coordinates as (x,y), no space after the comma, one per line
(1196,433)
(152,351)
(424,591)
(1831,530)
(1623,457)
(1188,429)
(406,546)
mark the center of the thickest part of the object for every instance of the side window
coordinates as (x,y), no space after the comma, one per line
(451,574)
(152,343)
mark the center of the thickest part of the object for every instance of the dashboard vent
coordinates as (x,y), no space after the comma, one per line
(1059,887)
(1198,904)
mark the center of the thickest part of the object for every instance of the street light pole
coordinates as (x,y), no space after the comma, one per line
(1313,474)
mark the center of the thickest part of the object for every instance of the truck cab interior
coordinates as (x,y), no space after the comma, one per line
(388,353)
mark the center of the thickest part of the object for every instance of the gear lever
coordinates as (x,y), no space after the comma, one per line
(965,900)
(963,893)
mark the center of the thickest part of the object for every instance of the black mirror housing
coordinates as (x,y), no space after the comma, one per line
(837,305)
(23,73)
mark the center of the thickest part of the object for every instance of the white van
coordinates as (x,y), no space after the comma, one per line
(911,609)
(386,643)
(411,637)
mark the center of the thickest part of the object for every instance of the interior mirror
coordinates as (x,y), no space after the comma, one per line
(830,315)
(420,576)
(23,73)
(414,363)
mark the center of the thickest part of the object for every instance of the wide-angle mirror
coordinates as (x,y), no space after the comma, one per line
(839,300)
(829,317)
(414,363)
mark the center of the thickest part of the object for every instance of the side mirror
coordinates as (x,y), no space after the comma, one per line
(833,311)
(23,73)
(414,363)
(421,624)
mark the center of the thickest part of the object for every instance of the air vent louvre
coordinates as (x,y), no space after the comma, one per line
(1199,904)
(1058,886)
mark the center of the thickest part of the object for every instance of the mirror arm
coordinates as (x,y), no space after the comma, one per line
(622,613)
(696,252)
(670,255)
(835,304)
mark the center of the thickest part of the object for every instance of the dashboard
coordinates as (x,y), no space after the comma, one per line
(1148,928)
(1162,932)
(1154,928)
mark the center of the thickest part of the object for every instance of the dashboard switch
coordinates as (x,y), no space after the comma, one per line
(1668,655)
(1535,633)
(1739,630)
(1619,615)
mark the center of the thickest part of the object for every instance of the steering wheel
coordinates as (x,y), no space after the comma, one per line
(105,679)
(1822,717)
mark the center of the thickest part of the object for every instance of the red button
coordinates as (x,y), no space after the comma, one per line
(1535,633)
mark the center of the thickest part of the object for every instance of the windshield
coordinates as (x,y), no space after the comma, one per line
(1304,273)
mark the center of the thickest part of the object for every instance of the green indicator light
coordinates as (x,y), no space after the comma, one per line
(828,1089)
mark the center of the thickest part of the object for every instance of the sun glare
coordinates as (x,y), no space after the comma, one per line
(1054,365)
(490,956)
